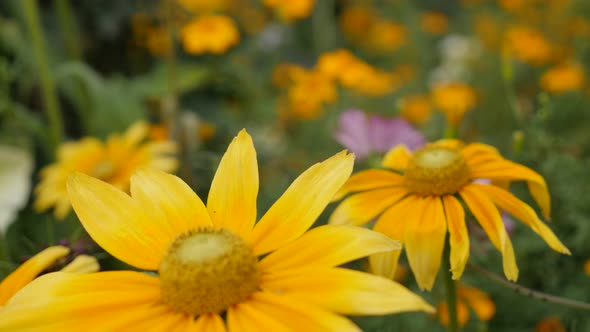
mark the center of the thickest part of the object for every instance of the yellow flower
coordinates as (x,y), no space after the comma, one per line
(355,21)
(209,33)
(587,267)
(291,10)
(264,276)
(528,45)
(309,92)
(454,99)
(563,78)
(434,23)
(420,205)
(468,297)
(386,36)
(30,269)
(114,161)
(415,109)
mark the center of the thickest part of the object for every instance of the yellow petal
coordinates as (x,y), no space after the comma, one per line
(523,212)
(29,270)
(232,197)
(113,301)
(367,180)
(392,224)
(337,245)
(244,317)
(505,170)
(209,323)
(301,204)
(397,158)
(490,220)
(347,292)
(136,133)
(169,202)
(458,236)
(300,315)
(361,208)
(424,238)
(82,264)
(117,223)
(449,143)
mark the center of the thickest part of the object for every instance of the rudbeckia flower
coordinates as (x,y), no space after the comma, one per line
(114,162)
(34,266)
(415,200)
(214,260)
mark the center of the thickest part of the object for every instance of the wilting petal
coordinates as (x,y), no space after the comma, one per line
(232,197)
(245,317)
(424,238)
(209,323)
(167,199)
(397,158)
(368,180)
(115,301)
(29,270)
(525,213)
(505,170)
(347,292)
(361,208)
(327,246)
(301,204)
(458,236)
(490,220)
(299,315)
(117,223)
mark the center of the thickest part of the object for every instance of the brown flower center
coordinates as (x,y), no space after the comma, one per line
(436,170)
(207,271)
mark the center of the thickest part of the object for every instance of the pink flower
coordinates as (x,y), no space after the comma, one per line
(364,134)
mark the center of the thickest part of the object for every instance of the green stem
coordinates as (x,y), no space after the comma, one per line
(31,14)
(450,131)
(529,292)
(68,28)
(170,102)
(322,24)
(451,291)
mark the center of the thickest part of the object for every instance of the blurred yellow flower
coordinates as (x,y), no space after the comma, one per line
(587,267)
(468,298)
(42,261)
(414,201)
(550,324)
(454,99)
(355,21)
(309,92)
(434,22)
(286,73)
(568,76)
(204,6)
(415,109)
(114,161)
(489,31)
(291,10)
(209,33)
(257,276)
(386,36)
(528,45)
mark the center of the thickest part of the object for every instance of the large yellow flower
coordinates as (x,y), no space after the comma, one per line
(415,202)
(114,162)
(34,266)
(211,260)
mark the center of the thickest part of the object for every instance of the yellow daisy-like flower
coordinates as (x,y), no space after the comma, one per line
(468,297)
(291,10)
(415,202)
(454,99)
(114,162)
(215,259)
(209,33)
(30,269)
(563,78)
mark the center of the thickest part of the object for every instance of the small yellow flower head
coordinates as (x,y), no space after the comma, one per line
(209,34)
(528,45)
(468,298)
(290,10)
(309,93)
(285,74)
(355,21)
(563,78)
(454,99)
(113,161)
(434,23)
(415,109)
(385,36)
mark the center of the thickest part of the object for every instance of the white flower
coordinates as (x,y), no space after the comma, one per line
(16,166)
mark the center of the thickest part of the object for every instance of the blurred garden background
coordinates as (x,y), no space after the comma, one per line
(306,79)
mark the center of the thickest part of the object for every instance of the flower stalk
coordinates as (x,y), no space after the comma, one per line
(68,29)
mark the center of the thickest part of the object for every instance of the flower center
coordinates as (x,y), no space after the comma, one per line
(436,170)
(206,271)
(103,170)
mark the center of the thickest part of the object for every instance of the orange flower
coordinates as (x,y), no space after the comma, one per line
(385,36)
(434,23)
(587,267)
(563,78)
(550,324)
(209,34)
(356,21)
(454,99)
(528,45)
(468,297)
(309,93)
(416,109)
